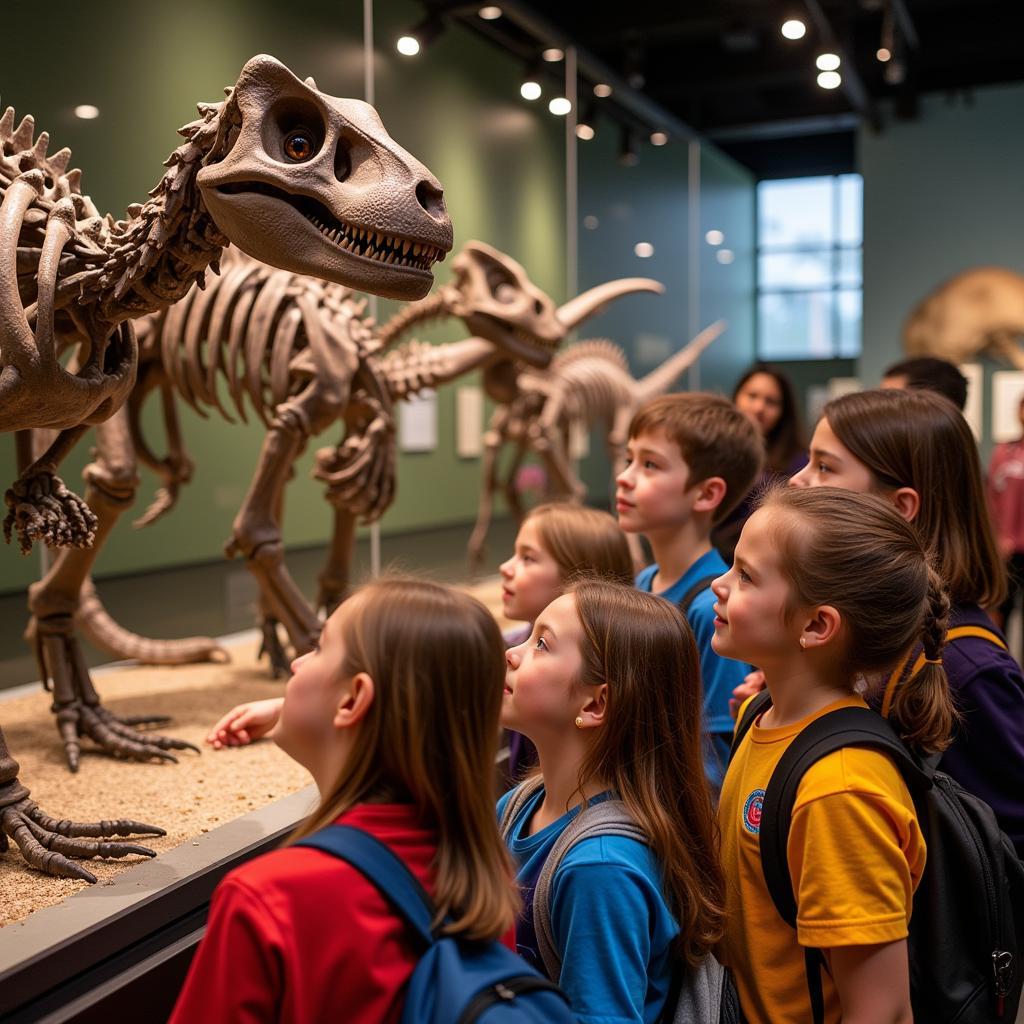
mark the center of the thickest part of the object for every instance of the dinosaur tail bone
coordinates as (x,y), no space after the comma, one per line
(659,380)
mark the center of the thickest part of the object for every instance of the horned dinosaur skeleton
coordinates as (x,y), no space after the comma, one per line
(587,384)
(271,338)
(980,310)
(306,181)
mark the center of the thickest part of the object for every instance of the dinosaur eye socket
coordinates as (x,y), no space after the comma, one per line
(299,145)
(505,293)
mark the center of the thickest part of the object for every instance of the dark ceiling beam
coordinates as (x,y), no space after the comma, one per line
(852,83)
(906,23)
(764,131)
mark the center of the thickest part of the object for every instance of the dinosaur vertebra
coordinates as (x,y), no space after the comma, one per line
(587,384)
(978,311)
(304,357)
(305,181)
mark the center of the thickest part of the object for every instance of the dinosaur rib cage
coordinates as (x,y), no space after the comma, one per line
(244,331)
(594,376)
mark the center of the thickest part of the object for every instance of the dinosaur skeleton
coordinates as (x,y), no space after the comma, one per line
(978,311)
(281,342)
(587,384)
(299,179)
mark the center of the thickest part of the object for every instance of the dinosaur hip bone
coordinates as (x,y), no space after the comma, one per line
(309,183)
(587,384)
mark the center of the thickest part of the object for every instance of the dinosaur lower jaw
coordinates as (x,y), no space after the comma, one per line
(367,243)
(517,341)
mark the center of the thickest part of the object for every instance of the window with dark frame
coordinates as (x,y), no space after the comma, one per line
(809,255)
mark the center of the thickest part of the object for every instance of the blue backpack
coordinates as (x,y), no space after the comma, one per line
(455,981)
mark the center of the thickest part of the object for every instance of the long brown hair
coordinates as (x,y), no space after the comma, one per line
(855,552)
(650,746)
(786,439)
(919,439)
(430,737)
(583,541)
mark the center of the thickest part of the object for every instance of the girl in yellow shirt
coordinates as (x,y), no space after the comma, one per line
(828,586)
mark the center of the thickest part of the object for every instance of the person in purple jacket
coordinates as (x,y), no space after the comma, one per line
(915,449)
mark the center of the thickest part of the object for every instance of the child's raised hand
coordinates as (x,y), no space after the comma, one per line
(245,723)
(752,683)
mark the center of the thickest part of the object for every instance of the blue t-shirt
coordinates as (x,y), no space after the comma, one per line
(720,676)
(611,924)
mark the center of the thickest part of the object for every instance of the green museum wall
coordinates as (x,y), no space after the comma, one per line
(456,107)
(942,194)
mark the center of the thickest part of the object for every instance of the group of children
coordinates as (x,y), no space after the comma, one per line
(840,593)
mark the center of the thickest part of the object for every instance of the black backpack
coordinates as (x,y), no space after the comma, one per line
(968,913)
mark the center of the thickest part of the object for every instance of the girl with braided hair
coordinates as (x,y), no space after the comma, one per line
(828,586)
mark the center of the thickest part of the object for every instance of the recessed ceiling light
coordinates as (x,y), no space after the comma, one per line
(552,54)
(884,54)
(489,13)
(590,222)
(408,45)
(602,90)
(714,237)
(530,90)
(559,105)
(827,61)
(658,138)
(725,256)
(830,79)
(87,112)
(644,250)
(584,131)
(794,29)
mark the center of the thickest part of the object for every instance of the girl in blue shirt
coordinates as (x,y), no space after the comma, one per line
(608,688)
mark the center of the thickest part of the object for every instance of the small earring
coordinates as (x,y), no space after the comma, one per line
(579,721)
(803,642)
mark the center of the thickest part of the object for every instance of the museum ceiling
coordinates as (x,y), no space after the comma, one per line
(724,68)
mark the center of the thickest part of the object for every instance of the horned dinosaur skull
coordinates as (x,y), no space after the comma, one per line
(314,184)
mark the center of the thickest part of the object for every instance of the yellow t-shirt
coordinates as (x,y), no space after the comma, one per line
(856,855)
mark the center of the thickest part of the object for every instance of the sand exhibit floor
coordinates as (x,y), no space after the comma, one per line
(199,794)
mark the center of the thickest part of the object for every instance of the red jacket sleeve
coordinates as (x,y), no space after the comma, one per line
(237,971)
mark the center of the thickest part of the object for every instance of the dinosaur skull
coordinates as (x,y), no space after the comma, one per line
(495,299)
(315,185)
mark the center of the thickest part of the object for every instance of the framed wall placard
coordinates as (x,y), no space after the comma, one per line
(469,422)
(1007,391)
(417,423)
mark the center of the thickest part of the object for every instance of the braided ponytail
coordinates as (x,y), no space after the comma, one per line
(922,710)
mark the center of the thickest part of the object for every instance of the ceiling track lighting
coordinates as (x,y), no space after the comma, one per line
(531,89)
(490,13)
(793,28)
(417,39)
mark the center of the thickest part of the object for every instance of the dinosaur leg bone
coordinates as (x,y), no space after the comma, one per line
(494,441)
(334,579)
(48,844)
(54,600)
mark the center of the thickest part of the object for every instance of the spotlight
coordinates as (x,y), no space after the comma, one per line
(552,54)
(530,90)
(725,256)
(883,54)
(714,237)
(644,250)
(585,131)
(628,156)
(590,222)
(658,138)
(490,13)
(602,90)
(559,106)
(827,61)
(830,79)
(420,37)
(87,112)
(794,29)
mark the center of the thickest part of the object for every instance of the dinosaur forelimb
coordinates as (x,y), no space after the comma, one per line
(40,507)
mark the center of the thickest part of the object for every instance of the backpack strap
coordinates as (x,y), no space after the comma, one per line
(384,869)
(758,703)
(607,818)
(698,588)
(956,633)
(845,727)
(516,802)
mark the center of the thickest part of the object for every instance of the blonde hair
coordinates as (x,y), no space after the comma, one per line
(583,542)
(430,737)
(714,437)
(855,552)
(650,746)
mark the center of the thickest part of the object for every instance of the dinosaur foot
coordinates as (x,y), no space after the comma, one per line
(118,736)
(271,646)
(40,507)
(48,844)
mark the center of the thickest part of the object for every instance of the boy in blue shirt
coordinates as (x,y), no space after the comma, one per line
(690,459)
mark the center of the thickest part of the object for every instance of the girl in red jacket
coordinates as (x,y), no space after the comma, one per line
(396,717)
